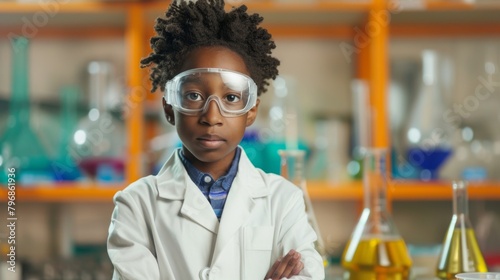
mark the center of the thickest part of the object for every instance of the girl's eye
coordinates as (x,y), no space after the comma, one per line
(233,98)
(193,96)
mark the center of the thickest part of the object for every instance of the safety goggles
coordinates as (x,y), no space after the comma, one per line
(191,91)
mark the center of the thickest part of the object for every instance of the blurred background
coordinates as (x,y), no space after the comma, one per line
(418,77)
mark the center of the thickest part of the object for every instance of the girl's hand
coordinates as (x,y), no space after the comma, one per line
(286,266)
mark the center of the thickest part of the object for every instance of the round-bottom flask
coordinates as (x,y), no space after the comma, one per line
(376,250)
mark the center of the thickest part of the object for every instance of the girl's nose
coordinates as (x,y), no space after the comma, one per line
(212,115)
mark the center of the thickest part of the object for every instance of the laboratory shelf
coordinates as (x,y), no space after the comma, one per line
(414,190)
(64,192)
(63,20)
(132,21)
(318,191)
(402,190)
(304,19)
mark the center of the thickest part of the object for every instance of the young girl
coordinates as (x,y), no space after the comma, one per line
(209,213)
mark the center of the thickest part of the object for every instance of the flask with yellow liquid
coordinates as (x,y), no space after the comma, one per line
(460,252)
(376,250)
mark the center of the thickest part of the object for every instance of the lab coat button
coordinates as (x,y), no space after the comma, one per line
(204,273)
(214,270)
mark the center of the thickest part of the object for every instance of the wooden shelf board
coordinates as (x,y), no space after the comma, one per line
(318,191)
(64,192)
(67,33)
(446,16)
(335,191)
(283,6)
(30,19)
(444,30)
(308,6)
(327,14)
(53,7)
(403,190)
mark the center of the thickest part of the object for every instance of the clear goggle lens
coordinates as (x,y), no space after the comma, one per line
(190,92)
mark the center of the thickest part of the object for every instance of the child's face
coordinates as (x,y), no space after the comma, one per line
(210,139)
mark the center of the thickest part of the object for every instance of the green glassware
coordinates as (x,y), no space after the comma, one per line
(65,166)
(20,146)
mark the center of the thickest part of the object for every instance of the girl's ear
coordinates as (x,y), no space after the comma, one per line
(252,114)
(169,112)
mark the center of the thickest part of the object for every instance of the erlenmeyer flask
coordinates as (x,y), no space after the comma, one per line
(20,146)
(460,252)
(376,250)
(293,168)
(428,131)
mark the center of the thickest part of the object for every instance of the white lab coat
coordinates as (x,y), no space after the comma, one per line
(164,228)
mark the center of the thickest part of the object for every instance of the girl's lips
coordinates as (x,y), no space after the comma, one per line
(211,141)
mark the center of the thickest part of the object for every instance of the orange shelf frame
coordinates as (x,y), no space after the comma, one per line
(403,191)
(285,7)
(56,7)
(446,30)
(335,191)
(415,190)
(64,192)
(318,191)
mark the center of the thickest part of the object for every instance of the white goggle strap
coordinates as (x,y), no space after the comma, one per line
(168,92)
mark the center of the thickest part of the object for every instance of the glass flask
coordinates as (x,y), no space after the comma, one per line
(283,131)
(293,169)
(20,145)
(460,252)
(428,131)
(361,129)
(375,249)
(98,142)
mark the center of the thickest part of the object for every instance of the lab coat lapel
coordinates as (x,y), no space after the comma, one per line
(247,186)
(238,207)
(174,184)
(197,208)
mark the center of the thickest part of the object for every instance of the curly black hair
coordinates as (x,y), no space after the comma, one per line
(193,24)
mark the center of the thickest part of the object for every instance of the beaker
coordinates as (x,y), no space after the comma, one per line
(292,167)
(375,249)
(460,252)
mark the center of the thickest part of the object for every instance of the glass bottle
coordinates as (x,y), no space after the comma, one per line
(293,169)
(375,249)
(460,252)
(20,145)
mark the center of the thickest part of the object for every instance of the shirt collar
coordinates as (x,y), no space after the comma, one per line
(197,176)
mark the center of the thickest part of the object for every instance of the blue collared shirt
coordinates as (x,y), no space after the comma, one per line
(215,191)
